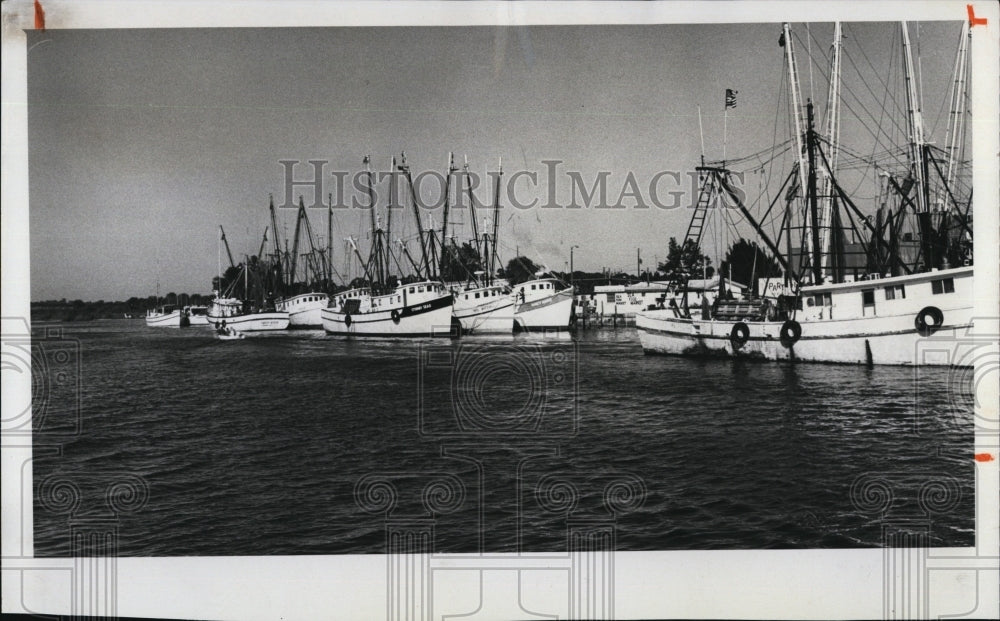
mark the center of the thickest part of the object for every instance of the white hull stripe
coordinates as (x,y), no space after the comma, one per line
(804,337)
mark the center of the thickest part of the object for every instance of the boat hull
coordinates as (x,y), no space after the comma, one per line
(549,313)
(496,317)
(253,322)
(304,310)
(426,319)
(198,320)
(890,340)
(175,319)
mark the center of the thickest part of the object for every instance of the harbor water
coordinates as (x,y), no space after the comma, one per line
(297,443)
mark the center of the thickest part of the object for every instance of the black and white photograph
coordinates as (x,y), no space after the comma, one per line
(424,310)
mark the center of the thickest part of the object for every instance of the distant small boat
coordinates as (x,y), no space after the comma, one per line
(167,317)
(228,334)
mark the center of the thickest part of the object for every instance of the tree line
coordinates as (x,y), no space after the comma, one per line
(745,261)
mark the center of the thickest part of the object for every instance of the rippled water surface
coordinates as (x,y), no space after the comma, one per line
(302,444)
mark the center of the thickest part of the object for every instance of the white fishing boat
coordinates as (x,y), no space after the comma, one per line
(243,317)
(168,316)
(385,308)
(197,315)
(543,304)
(483,309)
(878,321)
(907,293)
(483,304)
(241,304)
(301,284)
(421,309)
(304,310)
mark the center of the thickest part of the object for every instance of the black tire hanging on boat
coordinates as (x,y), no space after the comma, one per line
(347,320)
(790,332)
(395,316)
(739,335)
(929,320)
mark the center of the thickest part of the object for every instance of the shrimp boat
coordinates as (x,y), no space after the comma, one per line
(485,309)
(303,302)
(482,304)
(420,309)
(541,305)
(889,300)
(386,308)
(243,316)
(241,303)
(168,316)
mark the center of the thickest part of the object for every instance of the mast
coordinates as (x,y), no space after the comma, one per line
(793,87)
(496,219)
(955,139)
(416,211)
(218,250)
(472,208)
(226,242)
(274,229)
(329,245)
(263,242)
(833,138)
(444,226)
(388,215)
(914,125)
(811,197)
(295,244)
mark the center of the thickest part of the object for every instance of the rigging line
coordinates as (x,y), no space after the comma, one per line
(884,84)
(886,90)
(755,158)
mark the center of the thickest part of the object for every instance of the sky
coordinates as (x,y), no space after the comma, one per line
(143,142)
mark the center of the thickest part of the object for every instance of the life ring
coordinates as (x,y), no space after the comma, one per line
(395,316)
(790,332)
(347,320)
(739,335)
(929,320)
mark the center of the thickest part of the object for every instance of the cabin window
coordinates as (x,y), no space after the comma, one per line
(477,296)
(412,289)
(897,292)
(868,301)
(945,285)
(532,287)
(466,296)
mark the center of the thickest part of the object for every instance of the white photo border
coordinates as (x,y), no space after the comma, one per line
(693,584)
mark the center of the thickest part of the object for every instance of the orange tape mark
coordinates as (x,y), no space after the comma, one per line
(973,20)
(984,457)
(40,16)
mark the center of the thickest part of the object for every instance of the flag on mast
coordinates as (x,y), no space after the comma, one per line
(731,98)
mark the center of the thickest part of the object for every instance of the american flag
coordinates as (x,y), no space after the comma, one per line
(731,98)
